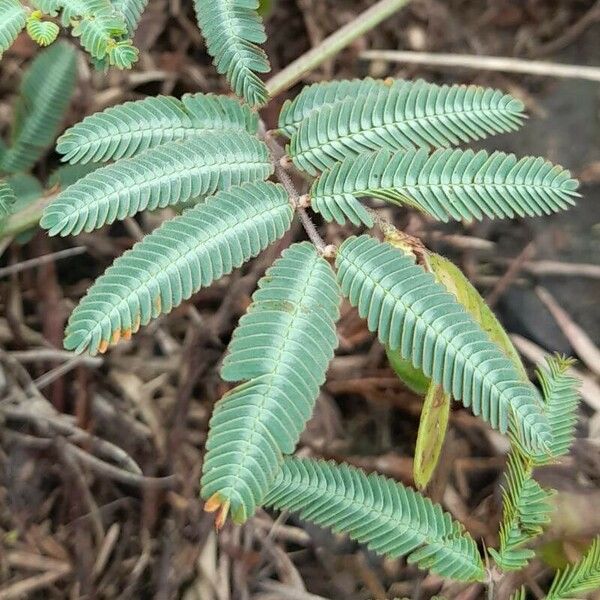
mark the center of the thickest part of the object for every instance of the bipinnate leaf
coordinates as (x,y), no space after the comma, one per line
(447,184)
(401,117)
(128,129)
(176,260)
(169,174)
(389,518)
(413,313)
(281,349)
(232,30)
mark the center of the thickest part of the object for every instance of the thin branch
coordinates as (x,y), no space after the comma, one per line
(488,63)
(41,260)
(277,153)
(331,45)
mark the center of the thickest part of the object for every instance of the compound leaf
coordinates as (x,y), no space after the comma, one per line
(580,578)
(41,32)
(169,174)
(13,17)
(413,313)
(130,128)
(526,510)
(176,260)
(420,115)
(431,435)
(281,349)
(318,95)
(560,392)
(448,184)
(45,94)
(232,29)
(131,11)
(7,199)
(388,517)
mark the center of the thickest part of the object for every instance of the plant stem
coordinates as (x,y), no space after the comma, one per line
(331,45)
(277,152)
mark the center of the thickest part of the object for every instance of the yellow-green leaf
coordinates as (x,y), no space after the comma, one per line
(436,407)
(432,432)
(448,274)
(41,32)
(411,376)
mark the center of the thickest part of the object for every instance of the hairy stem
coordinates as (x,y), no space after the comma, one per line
(331,45)
(277,153)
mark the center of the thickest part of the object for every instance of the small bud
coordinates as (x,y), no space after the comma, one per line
(285,162)
(329,251)
(304,201)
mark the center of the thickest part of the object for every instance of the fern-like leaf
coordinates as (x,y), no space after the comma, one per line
(48,7)
(131,11)
(420,115)
(447,184)
(561,399)
(7,199)
(281,348)
(318,95)
(414,313)
(169,174)
(526,510)
(580,578)
(390,518)
(12,21)
(176,260)
(41,32)
(232,29)
(128,129)
(72,10)
(99,36)
(45,95)
(520,594)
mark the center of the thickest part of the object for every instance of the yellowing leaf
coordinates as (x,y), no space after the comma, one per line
(432,432)
(436,406)
(448,274)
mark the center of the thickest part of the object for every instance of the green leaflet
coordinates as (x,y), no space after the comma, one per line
(99,37)
(41,32)
(12,21)
(67,175)
(434,418)
(281,348)
(457,184)
(391,519)
(454,280)
(169,174)
(232,29)
(580,578)
(26,189)
(45,94)
(130,128)
(72,10)
(412,377)
(7,199)
(48,7)
(420,115)
(431,435)
(176,260)
(318,95)
(561,399)
(132,11)
(413,313)
(526,510)
(341,207)
(520,594)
